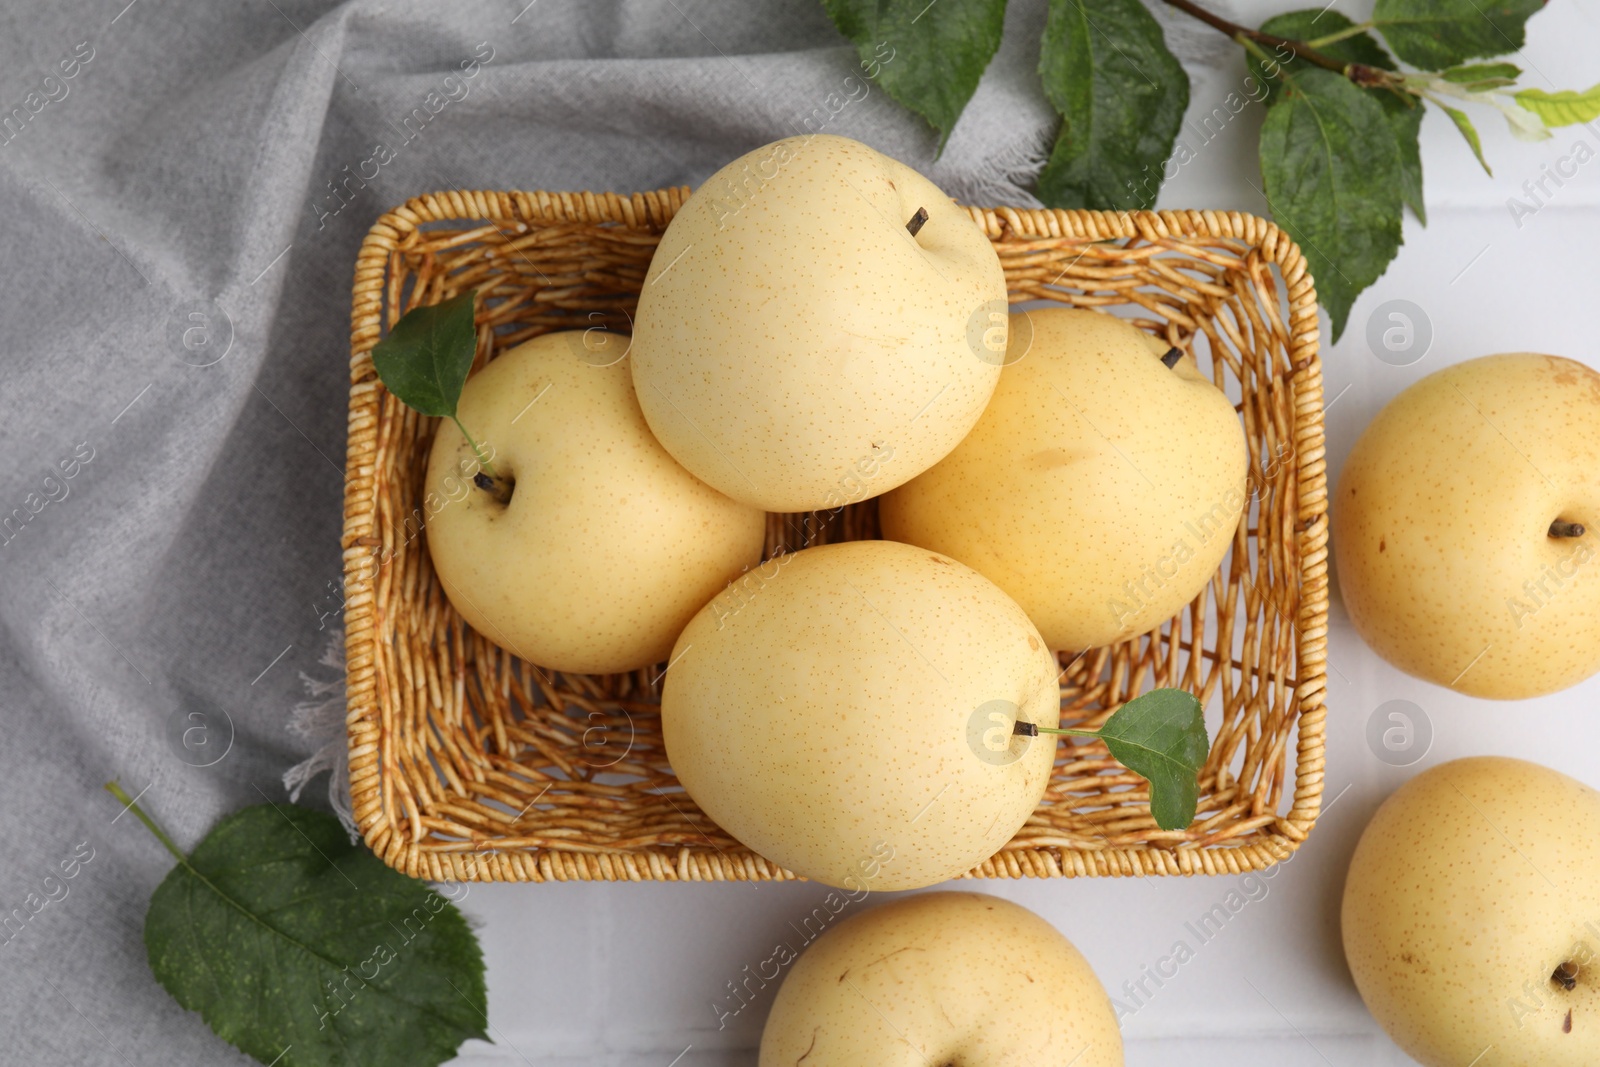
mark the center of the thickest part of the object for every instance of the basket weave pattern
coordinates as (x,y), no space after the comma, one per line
(467,763)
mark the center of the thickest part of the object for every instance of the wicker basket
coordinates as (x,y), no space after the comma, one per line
(468,763)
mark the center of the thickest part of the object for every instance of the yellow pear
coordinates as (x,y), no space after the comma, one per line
(942,978)
(854,707)
(606,547)
(1453,527)
(1101,488)
(1471,916)
(797,346)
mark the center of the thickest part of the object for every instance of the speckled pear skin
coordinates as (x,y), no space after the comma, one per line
(1470,886)
(791,331)
(823,716)
(1100,488)
(563,575)
(1441,519)
(942,978)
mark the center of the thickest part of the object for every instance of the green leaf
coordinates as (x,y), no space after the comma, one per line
(935,53)
(303,950)
(1403,116)
(1476,77)
(1121,96)
(1332,179)
(1566,108)
(1474,72)
(1162,736)
(425,359)
(1435,34)
(1405,123)
(1464,123)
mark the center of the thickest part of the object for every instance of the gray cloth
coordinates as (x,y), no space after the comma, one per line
(175,332)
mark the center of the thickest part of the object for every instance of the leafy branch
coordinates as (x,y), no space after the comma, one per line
(1339,150)
(1359,73)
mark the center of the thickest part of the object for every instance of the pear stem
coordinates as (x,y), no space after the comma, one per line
(1028,729)
(1172,357)
(1562,528)
(486,479)
(495,487)
(917,221)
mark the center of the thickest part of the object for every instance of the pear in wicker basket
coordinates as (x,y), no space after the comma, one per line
(1101,488)
(560,571)
(815,308)
(853,718)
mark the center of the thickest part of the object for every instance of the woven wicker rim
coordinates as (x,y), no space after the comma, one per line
(384,798)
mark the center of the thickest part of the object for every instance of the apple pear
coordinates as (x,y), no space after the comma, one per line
(1101,488)
(1471,916)
(606,547)
(855,707)
(1462,527)
(942,978)
(819,324)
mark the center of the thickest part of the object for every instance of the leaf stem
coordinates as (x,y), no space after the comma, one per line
(1254,49)
(116,790)
(483,459)
(1341,35)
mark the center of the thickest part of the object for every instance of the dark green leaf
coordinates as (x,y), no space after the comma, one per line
(1121,96)
(1475,73)
(285,936)
(1566,108)
(1404,116)
(1162,736)
(1435,34)
(929,57)
(425,359)
(1464,123)
(1405,123)
(1332,175)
